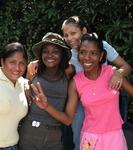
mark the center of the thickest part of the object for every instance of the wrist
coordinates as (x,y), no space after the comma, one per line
(121,71)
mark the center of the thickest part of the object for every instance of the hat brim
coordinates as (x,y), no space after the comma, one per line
(38,46)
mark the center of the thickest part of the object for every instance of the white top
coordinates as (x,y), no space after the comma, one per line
(112,54)
(13,107)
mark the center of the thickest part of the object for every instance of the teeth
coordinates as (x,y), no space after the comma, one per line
(50,60)
(87,64)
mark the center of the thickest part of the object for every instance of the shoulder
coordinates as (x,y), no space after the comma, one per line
(107,69)
(23,80)
(78,75)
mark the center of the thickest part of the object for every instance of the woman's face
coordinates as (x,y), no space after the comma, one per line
(51,56)
(14,66)
(90,56)
(72,35)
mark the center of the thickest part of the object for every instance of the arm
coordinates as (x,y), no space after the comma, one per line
(123,67)
(64,117)
(123,70)
(70,71)
(32,69)
(127,86)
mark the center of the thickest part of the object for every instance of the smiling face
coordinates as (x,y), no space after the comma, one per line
(72,35)
(90,56)
(51,56)
(14,66)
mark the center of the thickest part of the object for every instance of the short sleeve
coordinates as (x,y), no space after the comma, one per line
(112,54)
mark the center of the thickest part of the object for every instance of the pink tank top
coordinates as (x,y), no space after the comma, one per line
(100,102)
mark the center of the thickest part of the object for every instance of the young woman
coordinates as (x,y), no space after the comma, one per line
(102,126)
(13,103)
(73,29)
(39,129)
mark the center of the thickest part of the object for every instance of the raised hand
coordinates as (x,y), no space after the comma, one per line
(39,98)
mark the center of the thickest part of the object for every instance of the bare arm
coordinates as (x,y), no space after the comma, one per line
(123,70)
(64,117)
(70,71)
(123,67)
(127,86)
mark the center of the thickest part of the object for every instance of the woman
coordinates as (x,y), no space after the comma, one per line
(102,126)
(13,103)
(39,129)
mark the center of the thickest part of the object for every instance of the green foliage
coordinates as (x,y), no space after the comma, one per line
(27,21)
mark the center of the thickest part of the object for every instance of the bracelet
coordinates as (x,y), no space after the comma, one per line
(120,71)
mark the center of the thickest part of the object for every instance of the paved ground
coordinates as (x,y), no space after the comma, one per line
(128,130)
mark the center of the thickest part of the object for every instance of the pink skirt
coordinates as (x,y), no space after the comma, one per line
(113,140)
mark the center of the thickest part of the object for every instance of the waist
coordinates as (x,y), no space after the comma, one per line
(9,147)
(37,124)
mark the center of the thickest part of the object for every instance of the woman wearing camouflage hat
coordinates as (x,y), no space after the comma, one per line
(39,129)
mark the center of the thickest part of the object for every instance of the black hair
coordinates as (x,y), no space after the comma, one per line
(66,55)
(12,48)
(93,37)
(79,22)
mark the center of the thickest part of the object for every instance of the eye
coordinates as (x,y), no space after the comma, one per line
(44,51)
(94,53)
(56,52)
(73,33)
(22,63)
(12,62)
(82,53)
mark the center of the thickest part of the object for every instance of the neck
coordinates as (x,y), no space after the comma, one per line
(52,74)
(93,75)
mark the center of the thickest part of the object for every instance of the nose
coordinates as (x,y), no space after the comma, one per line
(69,37)
(17,67)
(87,56)
(50,54)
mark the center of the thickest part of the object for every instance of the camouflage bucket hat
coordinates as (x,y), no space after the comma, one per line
(52,38)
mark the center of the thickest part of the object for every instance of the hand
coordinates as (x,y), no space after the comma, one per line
(32,69)
(40,98)
(116,80)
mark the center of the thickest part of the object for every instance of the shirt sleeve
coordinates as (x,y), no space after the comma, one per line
(112,54)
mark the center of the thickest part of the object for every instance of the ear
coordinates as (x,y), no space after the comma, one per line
(84,30)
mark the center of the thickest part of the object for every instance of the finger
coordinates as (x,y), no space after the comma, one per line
(116,85)
(39,88)
(35,89)
(120,84)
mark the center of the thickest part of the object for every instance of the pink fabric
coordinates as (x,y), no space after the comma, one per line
(113,140)
(101,103)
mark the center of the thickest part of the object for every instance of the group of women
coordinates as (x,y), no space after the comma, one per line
(66,86)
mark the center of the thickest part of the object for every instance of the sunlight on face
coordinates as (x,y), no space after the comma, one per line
(14,66)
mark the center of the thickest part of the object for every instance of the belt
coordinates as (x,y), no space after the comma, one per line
(49,127)
(52,127)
